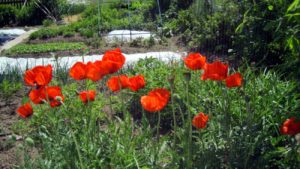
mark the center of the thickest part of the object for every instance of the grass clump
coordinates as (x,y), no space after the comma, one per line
(46,47)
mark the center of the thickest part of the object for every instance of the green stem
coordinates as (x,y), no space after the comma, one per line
(77,148)
(174,117)
(158,127)
(189,129)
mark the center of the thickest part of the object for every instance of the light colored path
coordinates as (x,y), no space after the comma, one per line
(23,63)
(17,40)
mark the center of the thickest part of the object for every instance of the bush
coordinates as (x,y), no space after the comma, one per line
(7,15)
(88,33)
(68,34)
(47,22)
(72,9)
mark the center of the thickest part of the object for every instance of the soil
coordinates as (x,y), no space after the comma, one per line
(8,117)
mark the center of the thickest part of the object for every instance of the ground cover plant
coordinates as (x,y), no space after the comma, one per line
(46,47)
(181,114)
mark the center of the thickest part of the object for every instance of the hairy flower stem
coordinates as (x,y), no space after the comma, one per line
(77,148)
(174,116)
(189,129)
(227,125)
(157,138)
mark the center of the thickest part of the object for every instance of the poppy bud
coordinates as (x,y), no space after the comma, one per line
(187,76)
(58,98)
(29,141)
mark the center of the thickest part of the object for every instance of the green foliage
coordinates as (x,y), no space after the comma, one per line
(7,15)
(72,9)
(47,22)
(46,47)
(8,88)
(203,25)
(10,80)
(107,18)
(76,135)
(46,33)
(68,34)
(269,33)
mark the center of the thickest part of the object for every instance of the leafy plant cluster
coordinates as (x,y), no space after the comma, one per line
(265,32)
(45,47)
(105,17)
(10,81)
(33,13)
(78,135)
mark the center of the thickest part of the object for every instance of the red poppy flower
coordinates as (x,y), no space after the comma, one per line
(113,60)
(200,120)
(38,96)
(38,76)
(234,80)
(87,96)
(215,71)
(137,82)
(102,67)
(195,61)
(25,110)
(55,96)
(93,72)
(156,100)
(51,94)
(78,71)
(116,83)
(290,127)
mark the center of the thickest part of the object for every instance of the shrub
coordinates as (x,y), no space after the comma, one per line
(68,34)
(47,22)
(7,15)
(88,33)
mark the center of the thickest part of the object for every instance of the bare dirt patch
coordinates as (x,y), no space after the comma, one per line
(8,117)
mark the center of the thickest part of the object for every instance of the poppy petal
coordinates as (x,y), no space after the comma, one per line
(25,110)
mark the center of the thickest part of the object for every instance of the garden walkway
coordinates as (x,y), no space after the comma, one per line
(17,40)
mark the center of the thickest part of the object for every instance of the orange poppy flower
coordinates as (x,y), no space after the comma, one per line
(215,71)
(195,61)
(137,82)
(290,127)
(38,76)
(78,71)
(51,94)
(113,60)
(200,120)
(116,83)
(234,80)
(25,110)
(87,96)
(156,100)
